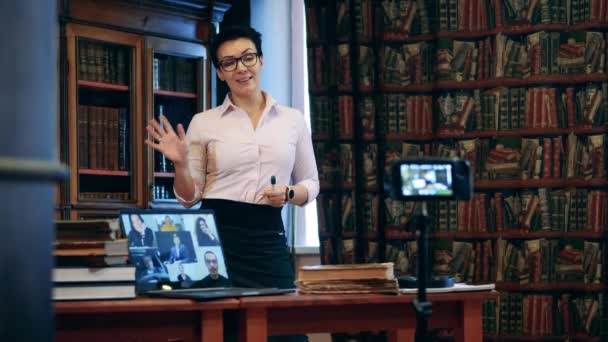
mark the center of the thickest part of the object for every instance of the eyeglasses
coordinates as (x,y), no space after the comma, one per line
(230,63)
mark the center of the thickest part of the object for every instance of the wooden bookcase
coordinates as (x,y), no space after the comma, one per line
(123,63)
(391,80)
(177,77)
(105,116)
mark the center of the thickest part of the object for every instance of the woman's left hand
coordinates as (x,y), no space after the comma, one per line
(276,195)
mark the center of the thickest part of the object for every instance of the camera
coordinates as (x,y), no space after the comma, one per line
(430,178)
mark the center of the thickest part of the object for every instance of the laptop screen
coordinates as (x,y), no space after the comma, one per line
(180,247)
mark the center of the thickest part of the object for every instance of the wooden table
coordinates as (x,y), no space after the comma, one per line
(298,314)
(141,319)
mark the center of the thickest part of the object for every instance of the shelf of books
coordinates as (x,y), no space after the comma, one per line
(175,90)
(103,112)
(517,88)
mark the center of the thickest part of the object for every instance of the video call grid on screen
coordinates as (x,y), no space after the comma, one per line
(426,179)
(159,249)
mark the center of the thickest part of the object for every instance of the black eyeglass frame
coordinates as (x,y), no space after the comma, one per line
(236,61)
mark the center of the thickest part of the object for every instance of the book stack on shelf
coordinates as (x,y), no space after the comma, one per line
(91,262)
(517,88)
(103,111)
(351,278)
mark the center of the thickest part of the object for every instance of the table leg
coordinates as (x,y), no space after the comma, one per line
(212,325)
(471,329)
(254,326)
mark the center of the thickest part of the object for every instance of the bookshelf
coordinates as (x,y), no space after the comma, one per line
(105,117)
(521,93)
(177,75)
(118,73)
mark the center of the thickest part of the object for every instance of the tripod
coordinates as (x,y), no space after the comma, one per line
(421,305)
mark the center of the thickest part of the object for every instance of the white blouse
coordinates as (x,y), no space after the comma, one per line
(229,159)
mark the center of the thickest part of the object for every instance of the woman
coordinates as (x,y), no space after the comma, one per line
(230,155)
(204,235)
(140,235)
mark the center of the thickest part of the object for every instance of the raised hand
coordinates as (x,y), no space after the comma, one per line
(172,145)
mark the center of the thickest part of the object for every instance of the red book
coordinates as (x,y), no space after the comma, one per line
(557,157)
(534,59)
(593,211)
(571,50)
(527,308)
(595,9)
(601,166)
(486,59)
(499,212)
(506,154)
(543,113)
(427,115)
(565,299)
(603,210)
(462,216)
(552,107)
(411,114)
(464,24)
(599,208)
(487,245)
(419,114)
(570,106)
(478,262)
(474,18)
(538,308)
(483,25)
(476,215)
(547,156)
(471,224)
(532,313)
(483,212)
(498,12)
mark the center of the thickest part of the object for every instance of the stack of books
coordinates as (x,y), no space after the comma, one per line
(348,278)
(91,262)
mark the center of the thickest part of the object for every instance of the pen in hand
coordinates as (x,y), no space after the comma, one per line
(273,181)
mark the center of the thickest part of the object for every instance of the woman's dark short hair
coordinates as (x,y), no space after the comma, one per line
(233,33)
(198,222)
(140,218)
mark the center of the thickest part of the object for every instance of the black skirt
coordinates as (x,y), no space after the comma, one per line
(254,243)
(255,250)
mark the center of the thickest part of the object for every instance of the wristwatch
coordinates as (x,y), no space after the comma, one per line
(289,194)
(292,194)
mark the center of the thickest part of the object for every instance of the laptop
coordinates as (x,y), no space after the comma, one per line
(177,253)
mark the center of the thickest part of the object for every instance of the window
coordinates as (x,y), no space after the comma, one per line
(311,236)
(285,76)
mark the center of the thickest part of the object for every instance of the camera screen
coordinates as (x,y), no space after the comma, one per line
(426,180)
